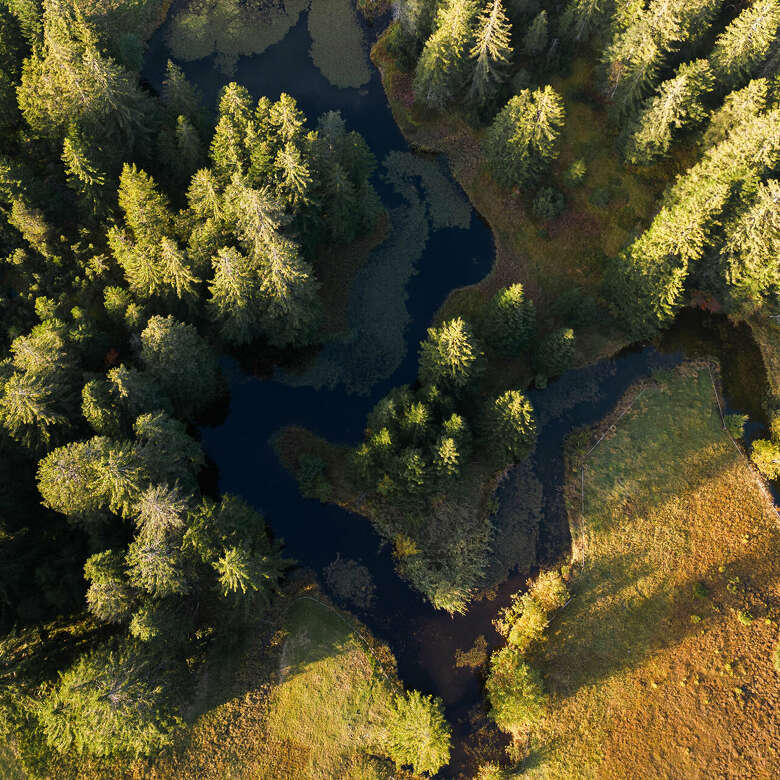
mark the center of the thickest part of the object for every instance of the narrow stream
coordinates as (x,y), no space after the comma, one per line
(424,641)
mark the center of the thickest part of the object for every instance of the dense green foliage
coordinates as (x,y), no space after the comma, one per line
(420,444)
(514,688)
(522,139)
(138,244)
(418,734)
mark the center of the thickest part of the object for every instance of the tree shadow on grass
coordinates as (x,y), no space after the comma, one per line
(631,624)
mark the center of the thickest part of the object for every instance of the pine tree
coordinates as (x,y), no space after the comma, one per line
(109,597)
(169,454)
(492,52)
(535,38)
(416,18)
(746,42)
(147,252)
(233,293)
(228,146)
(67,81)
(30,411)
(447,459)
(555,352)
(523,137)
(678,103)
(83,173)
(582,18)
(288,293)
(441,70)
(450,356)
(751,253)
(109,703)
(639,49)
(161,512)
(154,565)
(418,733)
(234,571)
(66,478)
(118,475)
(648,281)
(137,391)
(100,407)
(510,321)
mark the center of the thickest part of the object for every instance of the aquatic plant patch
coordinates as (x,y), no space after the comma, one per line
(375,344)
(230,29)
(338,47)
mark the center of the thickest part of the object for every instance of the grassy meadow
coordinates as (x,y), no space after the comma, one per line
(661,665)
(304,698)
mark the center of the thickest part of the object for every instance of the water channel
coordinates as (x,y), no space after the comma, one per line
(424,641)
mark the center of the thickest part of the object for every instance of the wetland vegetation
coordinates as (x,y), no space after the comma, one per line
(409,420)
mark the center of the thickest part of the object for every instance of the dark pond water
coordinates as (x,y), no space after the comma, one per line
(423,640)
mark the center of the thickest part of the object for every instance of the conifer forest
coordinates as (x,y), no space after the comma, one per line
(389,389)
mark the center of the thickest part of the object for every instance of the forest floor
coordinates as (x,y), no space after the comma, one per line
(548,257)
(662,662)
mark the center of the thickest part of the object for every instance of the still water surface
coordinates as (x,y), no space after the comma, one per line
(423,640)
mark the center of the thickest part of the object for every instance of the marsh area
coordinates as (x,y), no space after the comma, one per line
(394,298)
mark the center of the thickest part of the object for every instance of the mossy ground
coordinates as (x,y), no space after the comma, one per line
(661,665)
(611,204)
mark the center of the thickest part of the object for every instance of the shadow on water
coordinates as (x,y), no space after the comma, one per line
(424,641)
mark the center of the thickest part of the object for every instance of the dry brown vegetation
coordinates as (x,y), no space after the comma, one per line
(661,666)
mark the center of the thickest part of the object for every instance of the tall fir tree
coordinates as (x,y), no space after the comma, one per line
(491,52)
(746,43)
(677,104)
(442,69)
(523,137)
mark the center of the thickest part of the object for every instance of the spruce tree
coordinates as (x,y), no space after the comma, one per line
(746,43)
(555,352)
(523,137)
(109,596)
(108,704)
(491,52)
(186,367)
(678,103)
(442,69)
(535,38)
(512,425)
(450,356)
(510,321)
(751,252)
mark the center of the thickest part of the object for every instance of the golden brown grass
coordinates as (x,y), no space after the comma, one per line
(661,664)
